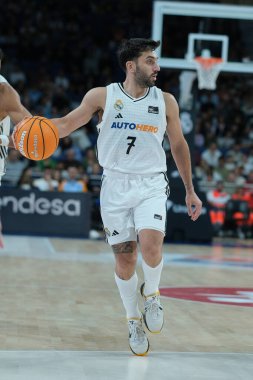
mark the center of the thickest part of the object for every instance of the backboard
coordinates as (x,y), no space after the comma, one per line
(186,29)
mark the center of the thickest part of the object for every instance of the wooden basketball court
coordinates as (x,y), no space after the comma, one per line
(60,306)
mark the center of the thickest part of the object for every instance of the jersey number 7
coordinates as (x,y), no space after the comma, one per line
(130,144)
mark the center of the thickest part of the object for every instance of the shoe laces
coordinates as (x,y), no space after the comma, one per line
(153,306)
(136,331)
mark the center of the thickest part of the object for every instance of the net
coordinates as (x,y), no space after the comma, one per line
(208,70)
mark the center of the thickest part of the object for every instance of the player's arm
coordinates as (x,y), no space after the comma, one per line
(181,154)
(12,105)
(92,102)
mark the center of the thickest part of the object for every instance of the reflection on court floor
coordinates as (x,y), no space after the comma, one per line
(69,365)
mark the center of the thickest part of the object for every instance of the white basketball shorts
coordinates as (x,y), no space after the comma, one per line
(130,203)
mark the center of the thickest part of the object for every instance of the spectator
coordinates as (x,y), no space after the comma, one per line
(61,79)
(229,162)
(25,181)
(217,199)
(70,159)
(73,184)
(221,169)
(249,180)
(236,152)
(211,155)
(66,145)
(239,176)
(47,182)
(243,215)
(89,159)
(80,139)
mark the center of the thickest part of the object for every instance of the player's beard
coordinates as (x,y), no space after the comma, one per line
(142,79)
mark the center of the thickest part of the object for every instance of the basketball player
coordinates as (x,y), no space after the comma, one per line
(134,116)
(11,109)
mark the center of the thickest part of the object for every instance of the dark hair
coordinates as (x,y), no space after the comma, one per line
(1,54)
(132,49)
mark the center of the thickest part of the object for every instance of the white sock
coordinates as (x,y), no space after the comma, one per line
(152,277)
(128,294)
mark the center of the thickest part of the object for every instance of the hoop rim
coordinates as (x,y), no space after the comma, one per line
(207,62)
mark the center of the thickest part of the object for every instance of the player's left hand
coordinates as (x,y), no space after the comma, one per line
(194,205)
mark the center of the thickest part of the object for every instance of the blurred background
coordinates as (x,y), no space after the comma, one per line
(54,53)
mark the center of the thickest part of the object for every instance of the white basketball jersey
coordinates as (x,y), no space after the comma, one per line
(5,125)
(2,79)
(131,132)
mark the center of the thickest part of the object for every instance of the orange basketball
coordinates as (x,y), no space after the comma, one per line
(36,138)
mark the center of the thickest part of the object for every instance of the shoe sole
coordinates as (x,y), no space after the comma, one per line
(144,318)
(144,354)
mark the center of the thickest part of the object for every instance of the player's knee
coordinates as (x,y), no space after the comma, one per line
(127,247)
(125,265)
(125,254)
(151,246)
(152,253)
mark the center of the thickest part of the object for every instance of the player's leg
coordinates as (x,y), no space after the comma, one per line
(152,264)
(127,282)
(126,276)
(150,221)
(121,235)
(151,242)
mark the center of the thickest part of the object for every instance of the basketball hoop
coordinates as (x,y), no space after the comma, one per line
(208,69)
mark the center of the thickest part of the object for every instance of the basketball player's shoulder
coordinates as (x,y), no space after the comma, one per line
(170,104)
(95,98)
(3,87)
(7,88)
(3,84)
(9,96)
(96,93)
(169,98)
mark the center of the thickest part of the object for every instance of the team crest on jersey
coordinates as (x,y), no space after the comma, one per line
(118,105)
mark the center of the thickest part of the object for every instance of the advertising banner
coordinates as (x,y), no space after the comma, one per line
(45,213)
(180,227)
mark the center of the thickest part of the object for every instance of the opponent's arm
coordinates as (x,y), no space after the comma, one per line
(181,154)
(92,102)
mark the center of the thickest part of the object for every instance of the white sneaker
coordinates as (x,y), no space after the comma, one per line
(153,314)
(138,340)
